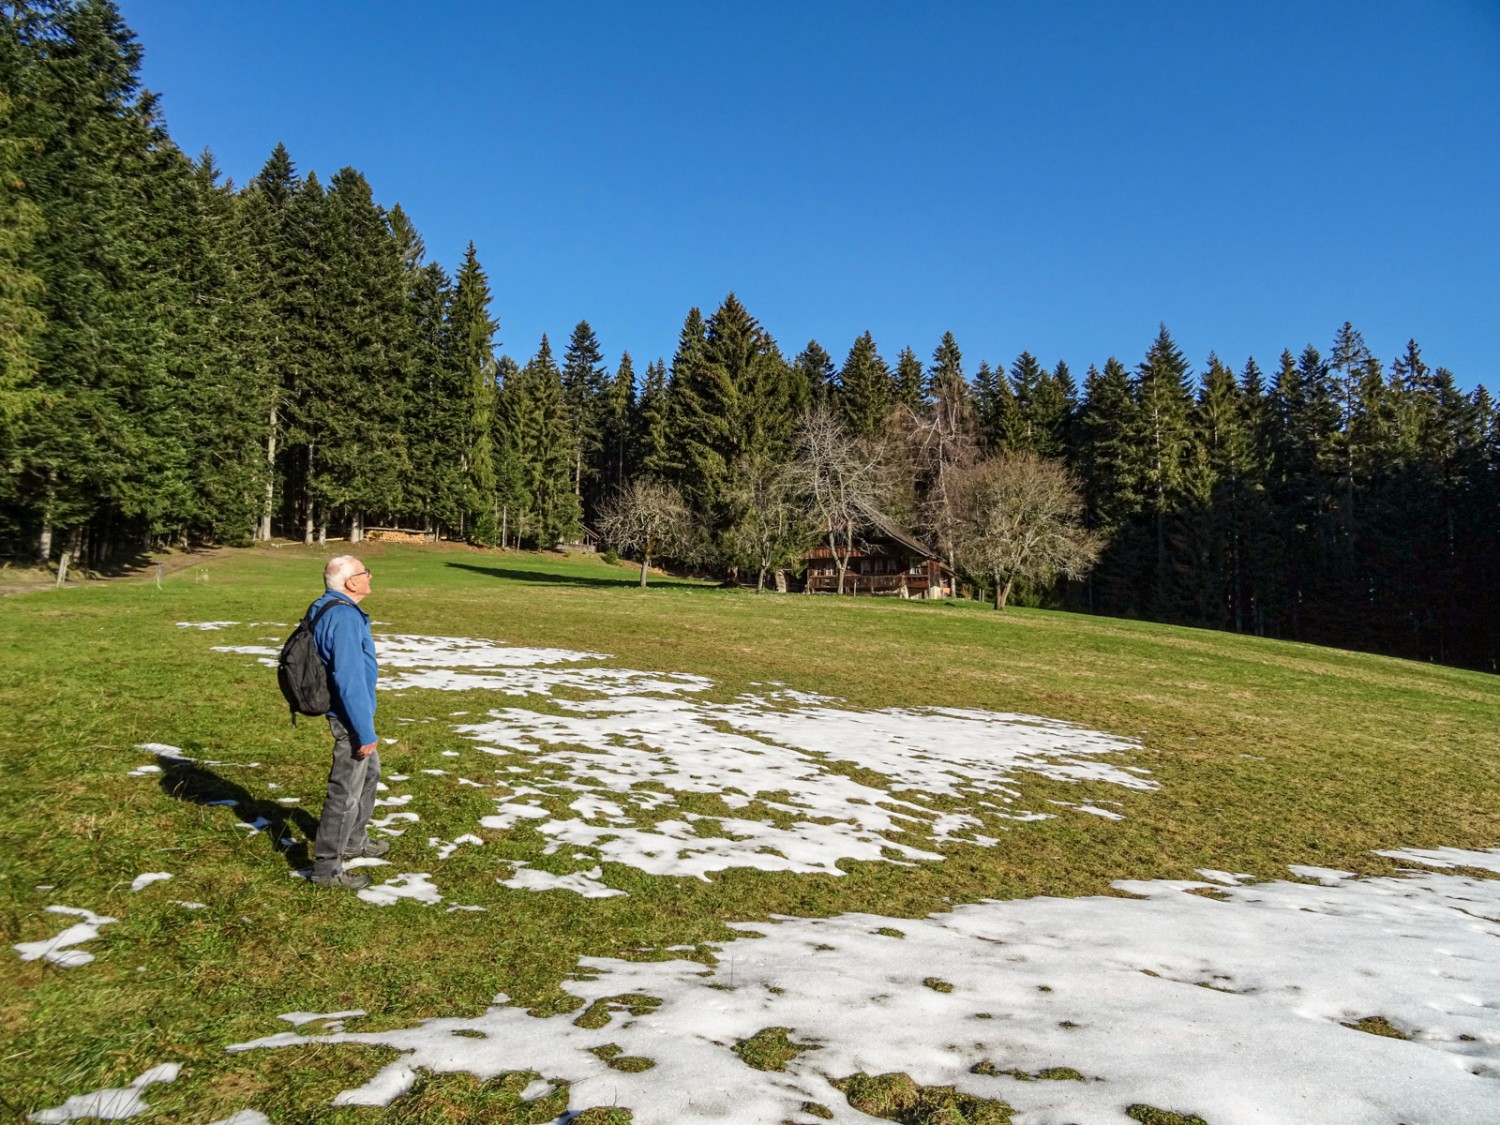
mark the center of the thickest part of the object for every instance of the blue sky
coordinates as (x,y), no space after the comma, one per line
(1058,178)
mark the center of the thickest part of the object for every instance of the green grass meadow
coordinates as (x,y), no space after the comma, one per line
(1266,753)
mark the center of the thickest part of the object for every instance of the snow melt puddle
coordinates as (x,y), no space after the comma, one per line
(1240,1008)
(766,778)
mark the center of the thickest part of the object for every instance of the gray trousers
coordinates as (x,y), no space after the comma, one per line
(347,807)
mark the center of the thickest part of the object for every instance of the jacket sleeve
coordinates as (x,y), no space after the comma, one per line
(353,674)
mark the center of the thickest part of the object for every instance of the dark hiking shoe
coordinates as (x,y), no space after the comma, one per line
(373,849)
(348,880)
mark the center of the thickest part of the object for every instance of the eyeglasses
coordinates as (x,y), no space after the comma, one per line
(362,574)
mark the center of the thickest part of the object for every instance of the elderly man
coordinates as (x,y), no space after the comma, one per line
(342,638)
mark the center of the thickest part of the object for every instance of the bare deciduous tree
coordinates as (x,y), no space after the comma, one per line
(940,442)
(1019,516)
(841,476)
(774,527)
(646,516)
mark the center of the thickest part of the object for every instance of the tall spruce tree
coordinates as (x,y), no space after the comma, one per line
(367,374)
(654,425)
(864,388)
(584,379)
(1113,485)
(1164,398)
(616,459)
(470,350)
(732,403)
(21,322)
(908,381)
(817,370)
(90,450)
(541,432)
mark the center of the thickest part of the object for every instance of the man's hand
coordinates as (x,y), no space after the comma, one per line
(366,750)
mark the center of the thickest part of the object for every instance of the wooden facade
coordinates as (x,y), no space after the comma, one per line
(886,561)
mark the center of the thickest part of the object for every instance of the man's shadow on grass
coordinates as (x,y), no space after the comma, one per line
(187,780)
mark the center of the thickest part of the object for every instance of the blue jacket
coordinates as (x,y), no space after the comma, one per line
(343,641)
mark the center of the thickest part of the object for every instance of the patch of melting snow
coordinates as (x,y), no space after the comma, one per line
(448,847)
(57,949)
(784,764)
(114,1104)
(415,886)
(1447,858)
(141,882)
(244,1117)
(586,883)
(1238,1009)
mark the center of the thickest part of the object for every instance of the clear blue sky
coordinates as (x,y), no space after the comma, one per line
(1058,178)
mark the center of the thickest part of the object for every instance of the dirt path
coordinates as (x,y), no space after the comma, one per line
(29,581)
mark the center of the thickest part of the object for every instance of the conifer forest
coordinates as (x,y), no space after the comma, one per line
(188,361)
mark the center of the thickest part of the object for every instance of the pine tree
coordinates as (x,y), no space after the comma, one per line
(992,396)
(540,432)
(1020,424)
(511,495)
(1305,454)
(225,398)
(1113,484)
(732,403)
(864,388)
(947,370)
(1221,480)
(584,379)
(686,367)
(654,425)
(20,289)
(470,348)
(616,462)
(74,97)
(909,381)
(1164,398)
(818,372)
(278,309)
(365,380)
(436,493)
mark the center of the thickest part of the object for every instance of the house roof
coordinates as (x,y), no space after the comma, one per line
(888,527)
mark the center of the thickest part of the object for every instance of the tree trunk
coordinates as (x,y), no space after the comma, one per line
(70,552)
(44,540)
(264,531)
(645,562)
(307,529)
(1002,592)
(357,528)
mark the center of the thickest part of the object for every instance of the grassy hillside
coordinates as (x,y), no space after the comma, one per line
(1266,754)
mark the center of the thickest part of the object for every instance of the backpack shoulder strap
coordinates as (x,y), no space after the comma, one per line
(312,618)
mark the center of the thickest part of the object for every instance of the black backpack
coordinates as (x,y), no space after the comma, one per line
(301,672)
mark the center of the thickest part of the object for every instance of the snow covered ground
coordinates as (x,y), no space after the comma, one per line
(1235,1007)
(1240,1002)
(603,776)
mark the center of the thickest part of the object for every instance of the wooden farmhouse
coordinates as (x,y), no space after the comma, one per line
(887,561)
(588,541)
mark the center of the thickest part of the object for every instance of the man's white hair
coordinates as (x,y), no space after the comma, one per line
(338,570)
